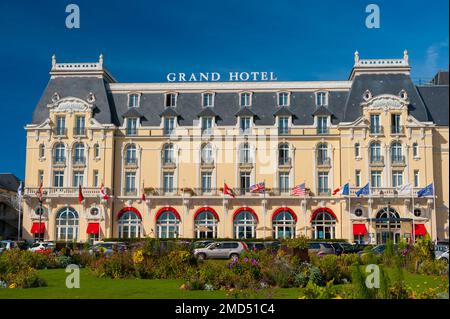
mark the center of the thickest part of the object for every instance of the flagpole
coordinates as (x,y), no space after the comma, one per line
(223,208)
(370,214)
(413,216)
(434,208)
(304,198)
(349,211)
(264,210)
(20,208)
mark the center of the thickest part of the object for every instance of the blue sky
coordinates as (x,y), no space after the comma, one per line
(142,41)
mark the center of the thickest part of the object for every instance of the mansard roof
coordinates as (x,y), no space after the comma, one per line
(322,110)
(170,112)
(132,112)
(283,111)
(207,111)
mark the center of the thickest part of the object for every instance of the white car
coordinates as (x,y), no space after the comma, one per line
(41,247)
(443,256)
(7,245)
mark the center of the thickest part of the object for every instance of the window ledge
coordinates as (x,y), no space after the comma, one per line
(416,158)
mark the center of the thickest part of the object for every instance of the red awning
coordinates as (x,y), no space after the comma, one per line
(35,228)
(420,230)
(359,229)
(93,228)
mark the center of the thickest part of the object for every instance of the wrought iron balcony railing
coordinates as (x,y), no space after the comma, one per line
(79,131)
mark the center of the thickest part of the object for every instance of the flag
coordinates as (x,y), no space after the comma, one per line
(426,191)
(404,190)
(258,188)
(103,192)
(40,193)
(228,191)
(363,191)
(19,190)
(299,190)
(80,194)
(343,190)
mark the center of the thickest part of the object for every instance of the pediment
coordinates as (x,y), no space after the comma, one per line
(70,104)
(385,102)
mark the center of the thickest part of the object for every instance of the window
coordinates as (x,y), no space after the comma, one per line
(375,127)
(78,156)
(169,125)
(96,150)
(283,99)
(80,128)
(284,182)
(168,154)
(283,125)
(59,153)
(395,124)
(244,225)
(60,125)
(130,183)
(206,182)
(416,178)
(129,225)
(283,154)
(417,212)
(357,150)
(397,178)
(168,182)
(322,125)
(358,178)
(131,126)
(244,154)
(171,100)
(208,99)
(245,182)
(67,224)
(321,99)
(168,225)
(207,154)
(133,100)
(322,154)
(358,212)
(78,177)
(95,178)
(245,125)
(323,183)
(375,152)
(396,153)
(58,178)
(207,123)
(205,225)
(130,154)
(415,149)
(375,177)
(283,225)
(245,99)
(41,151)
(323,225)
(40,177)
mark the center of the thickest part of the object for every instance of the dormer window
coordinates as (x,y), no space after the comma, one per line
(169,125)
(207,124)
(133,100)
(321,99)
(322,125)
(132,126)
(171,100)
(245,124)
(283,99)
(246,99)
(208,99)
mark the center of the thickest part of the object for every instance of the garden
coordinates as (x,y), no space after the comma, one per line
(152,270)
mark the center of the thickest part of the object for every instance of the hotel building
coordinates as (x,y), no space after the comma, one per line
(163,152)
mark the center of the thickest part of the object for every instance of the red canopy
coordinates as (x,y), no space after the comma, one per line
(359,229)
(93,228)
(35,229)
(420,230)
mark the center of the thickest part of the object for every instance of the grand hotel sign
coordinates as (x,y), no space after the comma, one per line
(217,77)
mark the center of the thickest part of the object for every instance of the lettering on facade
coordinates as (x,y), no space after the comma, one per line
(217,77)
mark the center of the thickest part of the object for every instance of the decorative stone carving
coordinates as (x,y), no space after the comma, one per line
(385,103)
(70,104)
(90,98)
(55,97)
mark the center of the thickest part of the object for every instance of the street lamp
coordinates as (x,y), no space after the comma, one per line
(41,211)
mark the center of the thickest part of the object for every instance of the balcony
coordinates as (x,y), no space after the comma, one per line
(324,192)
(79,131)
(376,131)
(59,161)
(169,163)
(323,162)
(131,162)
(60,132)
(79,161)
(284,131)
(245,163)
(376,160)
(129,191)
(398,160)
(284,162)
(207,163)
(131,132)
(384,192)
(66,192)
(397,130)
(323,130)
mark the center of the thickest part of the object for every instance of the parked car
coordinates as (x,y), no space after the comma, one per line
(341,248)
(256,246)
(443,256)
(320,249)
(7,245)
(440,247)
(201,243)
(107,248)
(273,245)
(42,247)
(221,250)
(377,250)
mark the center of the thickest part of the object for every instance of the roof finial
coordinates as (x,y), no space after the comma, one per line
(100,59)
(356,57)
(53,60)
(405,55)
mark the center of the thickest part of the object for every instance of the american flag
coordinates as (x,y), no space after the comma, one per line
(299,190)
(257,188)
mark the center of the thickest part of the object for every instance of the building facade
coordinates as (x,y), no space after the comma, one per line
(9,206)
(162,153)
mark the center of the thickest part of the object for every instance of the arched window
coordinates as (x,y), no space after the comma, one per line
(387,216)
(283,154)
(396,152)
(168,225)
(205,225)
(323,225)
(78,153)
(283,225)
(322,153)
(244,225)
(129,225)
(168,156)
(207,154)
(130,154)
(375,152)
(59,153)
(67,224)
(244,153)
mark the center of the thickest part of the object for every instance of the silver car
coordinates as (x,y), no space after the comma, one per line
(443,256)
(320,249)
(221,250)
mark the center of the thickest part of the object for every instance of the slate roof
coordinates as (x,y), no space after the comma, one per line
(245,111)
(207,111)
(169,111)
(322,110)
(436,100)
(132,112)
(283,111)
(9,182)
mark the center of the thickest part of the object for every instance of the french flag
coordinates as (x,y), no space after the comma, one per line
(343,190)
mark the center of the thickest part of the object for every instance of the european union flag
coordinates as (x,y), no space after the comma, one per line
(363,191)
(426,191)
(346,190)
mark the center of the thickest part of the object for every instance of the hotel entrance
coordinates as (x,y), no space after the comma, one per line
(388,226)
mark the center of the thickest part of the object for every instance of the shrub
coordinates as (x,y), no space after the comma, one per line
(336,268)
(433,267)
(313,291)
(117,265)
(24,278)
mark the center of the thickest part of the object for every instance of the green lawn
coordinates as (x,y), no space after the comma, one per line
(102,288)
